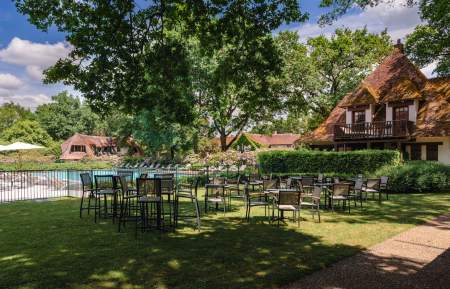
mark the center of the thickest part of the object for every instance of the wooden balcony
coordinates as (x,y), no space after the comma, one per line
(374,130)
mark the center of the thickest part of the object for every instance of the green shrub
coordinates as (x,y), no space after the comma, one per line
(314,162)
(417,176)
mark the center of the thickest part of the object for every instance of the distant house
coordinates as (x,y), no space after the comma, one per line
(81,146)
(395,107)
(251,141)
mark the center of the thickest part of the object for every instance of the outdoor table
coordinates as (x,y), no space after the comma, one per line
(209,187)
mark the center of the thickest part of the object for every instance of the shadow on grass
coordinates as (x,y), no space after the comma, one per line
(46,246)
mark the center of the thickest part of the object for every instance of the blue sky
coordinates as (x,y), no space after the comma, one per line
(25,51)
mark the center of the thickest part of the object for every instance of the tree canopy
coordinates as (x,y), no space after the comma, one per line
(29,131)
(428,43)
(133,55)
(11,113)
(66,115)
(316,75)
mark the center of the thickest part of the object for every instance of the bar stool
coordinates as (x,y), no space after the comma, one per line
(187,191)
(87,190)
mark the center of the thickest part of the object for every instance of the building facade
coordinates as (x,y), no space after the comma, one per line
(395,107)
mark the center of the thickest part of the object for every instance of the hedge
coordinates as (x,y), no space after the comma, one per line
(417,177)
(314,162)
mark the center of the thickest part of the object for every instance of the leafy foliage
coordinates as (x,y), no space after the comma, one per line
(431,42)
(316,75)
(11,113)
(65,116)
(29,131)
(417,176)
(314,162)
(134,54)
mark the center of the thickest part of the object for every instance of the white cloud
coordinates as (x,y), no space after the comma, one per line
(26,100)
(10,82)
(24,52)
(34,56)
(34,72)
(396,17)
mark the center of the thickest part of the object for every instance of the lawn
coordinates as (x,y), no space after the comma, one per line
(46,245)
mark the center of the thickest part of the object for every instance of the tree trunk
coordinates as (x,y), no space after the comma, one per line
(223,142)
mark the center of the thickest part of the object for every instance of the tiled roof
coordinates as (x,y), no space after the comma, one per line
(433,118)
(87,141)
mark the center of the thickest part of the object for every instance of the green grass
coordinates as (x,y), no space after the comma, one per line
(46,245)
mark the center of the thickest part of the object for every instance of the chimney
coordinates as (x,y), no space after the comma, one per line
(399,45)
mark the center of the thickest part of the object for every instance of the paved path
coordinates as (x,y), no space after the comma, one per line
(417,258)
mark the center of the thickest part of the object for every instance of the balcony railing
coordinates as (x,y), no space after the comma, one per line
(374,130)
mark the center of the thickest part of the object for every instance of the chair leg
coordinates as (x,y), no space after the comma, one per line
(197,210)
(81,203)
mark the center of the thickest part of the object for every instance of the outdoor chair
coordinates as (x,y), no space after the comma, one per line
(287,201)
(314,203)
(150,205)
(286,184)
(234,188)
(307,184)
(357,192)
(87,191)
(320,178)
(373,186)
(187,191)
(255,199)
(105,188)
(216,193)
(167,190)
(384,182)
(128,202)
(340,193)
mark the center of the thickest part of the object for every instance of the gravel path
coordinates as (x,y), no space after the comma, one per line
(417,258)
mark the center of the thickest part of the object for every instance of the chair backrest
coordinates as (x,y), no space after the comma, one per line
(289,198)
(384,182)
(149,187)
(307,181)
(341,189)
(317,192)
(122,184)
(86,181)
(270,184)
(104,181)
(336,180)
(358,185)
(289,183)
(320,178)
(373,183)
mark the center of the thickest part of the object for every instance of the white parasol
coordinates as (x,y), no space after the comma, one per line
(20,146)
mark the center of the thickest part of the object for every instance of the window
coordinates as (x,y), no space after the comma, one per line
(359,116)
(416,152)
(78,148)
(432,152)
(401,113)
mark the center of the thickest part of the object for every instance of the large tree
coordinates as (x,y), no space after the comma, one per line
(66,115)
(11,113)
(316,75)
(133,54)
(29,131)
(429,42)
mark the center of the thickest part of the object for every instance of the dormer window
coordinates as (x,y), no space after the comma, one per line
(359,116)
